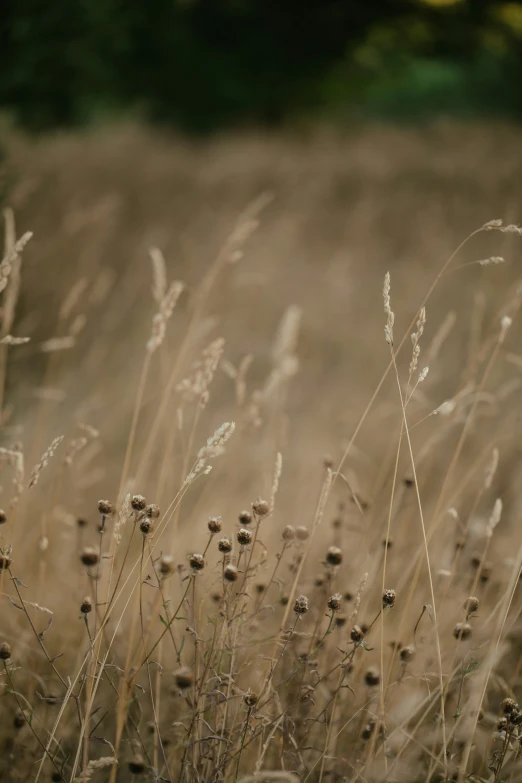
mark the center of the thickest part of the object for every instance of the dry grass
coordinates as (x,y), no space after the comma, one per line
(206,325)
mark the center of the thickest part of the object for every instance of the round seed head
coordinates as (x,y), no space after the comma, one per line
(407,653)
(388,598)
(146,525)
(184,678)
(86,605)
(137,764)
(105,507)
(250,698)
(138,502)
(152,511)
(197,562)
(356,634)
(516,718)
(334,602)
(89,556)
(334,556)
(214,524)
(5,651)
(302,532)
(462,631)
(288,533)
(5,561)
(471,604)
(166,565)
(301,605)
(508,705)
(225,545)
(230,573)
(260,507)
(502,724)
(3,517)
(244,536)
(372,677)
(245,517)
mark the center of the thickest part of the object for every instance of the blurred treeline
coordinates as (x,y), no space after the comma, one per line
(205,64)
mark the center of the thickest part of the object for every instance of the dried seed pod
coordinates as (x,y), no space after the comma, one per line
(137,764)
(230,573)
(245,517)
(301,605)
(356,634)
(152,511)
(250,698)
(5,651)
(105,507)
(244,536)
(334,556)
(86,605)
(89,556)
(372,677)
(138,502)
(214,525)
(225,545)
(146,525)
(260,507)
(5,561)
(462,631)
(302,532)
(288,533)
(184,678)
(197,562)
(515,718)
(334,602)
(388,598)
(502,724)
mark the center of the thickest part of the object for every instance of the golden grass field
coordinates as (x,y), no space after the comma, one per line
(181,673)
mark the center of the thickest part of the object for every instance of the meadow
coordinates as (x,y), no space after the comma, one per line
(260,461)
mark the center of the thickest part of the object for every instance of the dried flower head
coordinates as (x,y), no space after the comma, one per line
(184,678)
(3,517)
(471,605)
(214,524)
(508,705)
(5,651)
(89,556)
(137,764)
(334,556)
(5,561)
(334,602)
(197,562)
(225,545)
(388,598)
(372,677)
(356,634)
(245,518)
(302,532)
(244,536)
(462,631)
(260,507)
(105,507)
(146,525)
(301,605)
(250,698)
(230,573)
(152,511)
(288,533)
(86,606)
(166,565)
(407,653)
